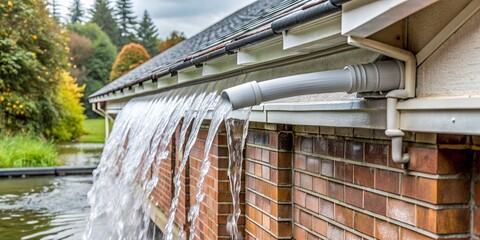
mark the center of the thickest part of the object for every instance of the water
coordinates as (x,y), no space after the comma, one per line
(44,207)
(49,207)
(237,129)
(139,142)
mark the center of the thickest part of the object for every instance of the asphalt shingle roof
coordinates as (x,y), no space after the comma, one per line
(242,21)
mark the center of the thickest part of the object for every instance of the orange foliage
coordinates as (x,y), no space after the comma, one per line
(130,56)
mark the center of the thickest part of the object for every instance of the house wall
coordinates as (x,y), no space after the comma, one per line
(344,185)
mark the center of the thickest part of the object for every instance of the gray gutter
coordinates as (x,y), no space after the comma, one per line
(276,27)
(46,171)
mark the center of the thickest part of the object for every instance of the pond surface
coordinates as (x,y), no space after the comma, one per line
(49,207)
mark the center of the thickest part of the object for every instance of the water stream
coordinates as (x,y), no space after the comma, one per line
(140,140)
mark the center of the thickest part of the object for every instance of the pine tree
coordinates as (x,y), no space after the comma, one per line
(103,17)
(76,12)
(54,11)
(148,34)
(126,20)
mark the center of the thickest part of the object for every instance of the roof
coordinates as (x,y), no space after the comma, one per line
(242,21)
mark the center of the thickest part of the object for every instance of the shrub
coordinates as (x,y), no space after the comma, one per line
(71,118)
(130,56)
(25,151)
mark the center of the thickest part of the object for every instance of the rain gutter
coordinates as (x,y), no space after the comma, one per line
(277,27)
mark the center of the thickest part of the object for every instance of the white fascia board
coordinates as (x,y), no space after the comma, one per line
(317,35)
(363,18)
(221,65)
(263,53)
(189,74)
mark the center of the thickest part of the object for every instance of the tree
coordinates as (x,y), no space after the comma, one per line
(71,117)
(33,53)
(130,56)
(54,11)
(81,51)
(126,20)
(148,34)
(76,12)
(174,38)
(103,17)
(98,66)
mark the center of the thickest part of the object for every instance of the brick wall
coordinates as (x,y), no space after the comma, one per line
(217,204)
(345,185)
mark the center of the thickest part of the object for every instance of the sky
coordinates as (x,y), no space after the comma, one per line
(187,16)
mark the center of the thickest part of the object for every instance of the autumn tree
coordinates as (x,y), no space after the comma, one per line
(130,56)
(173,39)
(148,34)
(81,51)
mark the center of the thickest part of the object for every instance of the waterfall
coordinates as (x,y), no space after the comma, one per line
(140,140)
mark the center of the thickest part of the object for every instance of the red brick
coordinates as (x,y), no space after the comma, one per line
(336,191)
(355,196)
(312,203)
(364,176)
(408,234)
(299,197)
(375,203)
(326,208)
(443,191)
(438,161)
(334,232)
(300,162)
(299,233)
(348,173)
(306,181)
(385,230)
(477,192)
(451,139)
(335,148)
(313,165)
(476,222)
(409,186)
(320,146)
(319,226)
(354,150)
(306,219)
(339,170)
(401,211)
(327,168)
(376,154)
(306,144)
(364,223)
(320,185)
(351,236)
(344,215)
(387,181)
(446,221)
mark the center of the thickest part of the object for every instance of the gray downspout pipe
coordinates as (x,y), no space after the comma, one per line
(371,77)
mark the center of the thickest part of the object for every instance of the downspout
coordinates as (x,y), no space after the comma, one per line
(372,77)
(97,108)
(393,115)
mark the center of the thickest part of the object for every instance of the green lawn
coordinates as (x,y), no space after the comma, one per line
(95,131)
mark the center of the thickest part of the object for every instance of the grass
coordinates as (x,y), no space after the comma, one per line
(25,151)
(95,131)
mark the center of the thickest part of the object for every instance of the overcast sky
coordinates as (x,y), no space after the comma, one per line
(187,16)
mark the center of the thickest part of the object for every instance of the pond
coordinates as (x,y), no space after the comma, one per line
(49,207)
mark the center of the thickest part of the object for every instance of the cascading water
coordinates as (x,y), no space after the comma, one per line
(237,129)
(130,164)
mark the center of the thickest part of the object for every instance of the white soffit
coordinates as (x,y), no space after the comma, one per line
(365,17)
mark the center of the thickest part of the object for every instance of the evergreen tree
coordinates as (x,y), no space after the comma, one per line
(126,20)
(54,11)
(148,35)
(76,12)
(103,17)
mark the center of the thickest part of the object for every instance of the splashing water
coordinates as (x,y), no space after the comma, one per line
(140,140)
(236,134)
